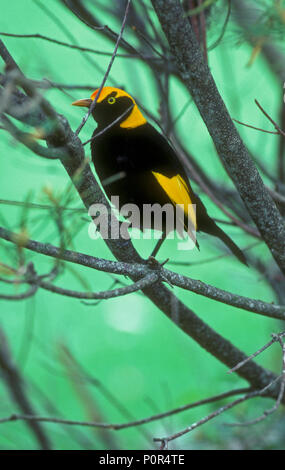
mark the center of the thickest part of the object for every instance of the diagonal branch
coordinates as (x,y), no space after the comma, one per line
(117,426)
(15,386)
(71,46)
(147,276)
(214,414)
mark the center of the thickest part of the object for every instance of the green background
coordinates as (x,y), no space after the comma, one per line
(127,344)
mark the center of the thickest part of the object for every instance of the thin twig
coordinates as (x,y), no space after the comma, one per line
(117,427)
(275,338)
(256,128)
(15,385)
(256,353)
(72,46)
(218,41)
(214,414)
(29,293)
(108,294)
(279,130)
(29,141)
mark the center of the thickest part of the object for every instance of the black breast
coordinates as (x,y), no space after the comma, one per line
(113,157)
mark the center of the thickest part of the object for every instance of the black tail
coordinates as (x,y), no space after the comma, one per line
(215,230)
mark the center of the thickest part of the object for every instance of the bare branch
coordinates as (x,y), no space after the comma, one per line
(275,338)
(165,440)
(110,125)
(256,128)
(117,427)
(29,293)
(146,281)
(73,46)
(142,270)
(279,131)
(29,141)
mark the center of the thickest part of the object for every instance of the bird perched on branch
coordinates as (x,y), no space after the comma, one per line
(149,170)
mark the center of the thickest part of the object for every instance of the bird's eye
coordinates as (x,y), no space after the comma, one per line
(111,100)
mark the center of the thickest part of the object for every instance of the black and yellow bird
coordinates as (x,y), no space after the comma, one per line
(124,143)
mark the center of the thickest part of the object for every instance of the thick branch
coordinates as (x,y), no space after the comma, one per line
(147,277)
(146,281)
(199,81)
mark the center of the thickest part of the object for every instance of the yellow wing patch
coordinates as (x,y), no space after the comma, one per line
(177,191)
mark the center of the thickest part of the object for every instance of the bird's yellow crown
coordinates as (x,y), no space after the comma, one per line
(135,119)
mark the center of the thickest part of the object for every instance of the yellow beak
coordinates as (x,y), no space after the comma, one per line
(85,102)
